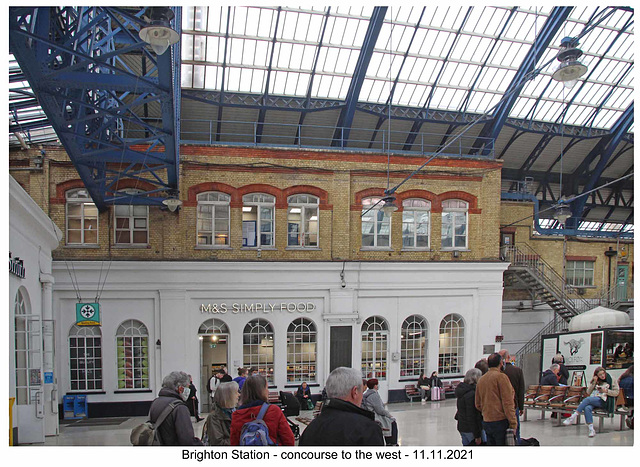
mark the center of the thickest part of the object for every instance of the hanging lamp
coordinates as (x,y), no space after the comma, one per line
(158,32)
(570,68)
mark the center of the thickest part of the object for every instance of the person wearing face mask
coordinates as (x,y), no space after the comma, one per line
(176,429)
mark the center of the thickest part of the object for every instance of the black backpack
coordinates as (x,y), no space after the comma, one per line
(146,434)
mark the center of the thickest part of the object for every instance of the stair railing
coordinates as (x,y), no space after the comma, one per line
(557,324)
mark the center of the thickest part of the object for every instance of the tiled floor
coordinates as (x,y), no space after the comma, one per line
(431,424)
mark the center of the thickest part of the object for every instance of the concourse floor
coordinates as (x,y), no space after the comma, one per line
(430,424)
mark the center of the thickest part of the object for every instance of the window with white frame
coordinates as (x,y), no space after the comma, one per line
(416,222)
(580,273)
(131,223)
(302,221)
(216,332)
(454,224)
(132,347)
(413,344)
(258,219)
(213,219)
(82,218)
(375,343)
(301,351)
(85,358)
(257,347)
(451,345)
(376,224)
(28,350)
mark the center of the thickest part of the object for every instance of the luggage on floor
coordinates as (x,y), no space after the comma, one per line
(437,393)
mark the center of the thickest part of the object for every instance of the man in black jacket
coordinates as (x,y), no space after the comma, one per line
(342,421)
(176,429)
(550,376)
(516,376)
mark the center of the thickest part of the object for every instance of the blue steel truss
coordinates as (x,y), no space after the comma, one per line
(83,65)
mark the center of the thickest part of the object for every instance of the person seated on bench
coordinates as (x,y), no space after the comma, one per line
(550,376)
(603,391)
(626,384)
(423,386)
(372,401)
(304,396)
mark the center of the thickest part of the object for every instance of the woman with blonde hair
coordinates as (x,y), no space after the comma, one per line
(217,429)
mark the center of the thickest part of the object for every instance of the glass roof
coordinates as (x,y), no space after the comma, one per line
(460,59)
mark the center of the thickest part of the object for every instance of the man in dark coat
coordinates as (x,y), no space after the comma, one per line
(342,421)
(550,376)
(564,373)
(469,418)
(192,402)
(176,430)
(516,376)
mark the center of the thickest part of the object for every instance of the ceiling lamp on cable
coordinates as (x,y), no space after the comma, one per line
(158,32)
(389,205)
(562,213)
(569,69)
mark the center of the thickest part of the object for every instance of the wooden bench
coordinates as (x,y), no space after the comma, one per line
(316,411)
(412,391)
(274,398)
(449,388)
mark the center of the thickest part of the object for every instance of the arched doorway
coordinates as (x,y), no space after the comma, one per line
(214,354)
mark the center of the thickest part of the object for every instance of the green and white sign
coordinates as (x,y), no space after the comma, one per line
(88,314)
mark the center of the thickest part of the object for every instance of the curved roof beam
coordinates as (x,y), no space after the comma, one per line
(551,26)
(345,120)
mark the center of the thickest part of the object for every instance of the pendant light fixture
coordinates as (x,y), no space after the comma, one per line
(569,69)
(158,32)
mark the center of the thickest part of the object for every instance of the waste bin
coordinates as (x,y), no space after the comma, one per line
(74,407)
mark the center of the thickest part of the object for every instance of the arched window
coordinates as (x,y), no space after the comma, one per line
(28,348)
(258,220)
(85,358)
(301,351)
(375,342)
(213,326)
(302,221)
(257,347)
(132,346)
(454,224)
(213,219)
(82,218)
(376,225)
(451,346)
(131,223)
(413,344)
(416,222)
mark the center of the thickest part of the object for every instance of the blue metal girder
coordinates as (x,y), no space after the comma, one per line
(345,120)
(72,58)
(551,26)
(605,149)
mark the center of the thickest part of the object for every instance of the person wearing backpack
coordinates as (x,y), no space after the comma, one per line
(253,400)
(176,429)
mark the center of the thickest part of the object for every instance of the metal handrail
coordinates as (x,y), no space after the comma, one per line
(522,255)
(534,345)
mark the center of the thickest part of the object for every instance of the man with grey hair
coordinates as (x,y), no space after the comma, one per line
(550,376)
(516,377)
(563,376)
(176,429)
(342,421)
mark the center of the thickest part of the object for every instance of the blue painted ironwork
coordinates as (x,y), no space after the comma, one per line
(74,60)
(551,26)
(345,120)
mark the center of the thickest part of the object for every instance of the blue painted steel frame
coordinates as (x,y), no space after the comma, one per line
(72,58)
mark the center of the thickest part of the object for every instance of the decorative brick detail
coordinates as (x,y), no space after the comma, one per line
(281,201)
(580,258)
(359,196)
(469,198)
(311,190)
(195,190)
(63,187)
(422,194)
(137,184)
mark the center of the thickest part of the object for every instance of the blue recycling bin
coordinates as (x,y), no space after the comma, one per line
(74,407)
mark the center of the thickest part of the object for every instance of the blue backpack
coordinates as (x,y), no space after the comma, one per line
(255,432)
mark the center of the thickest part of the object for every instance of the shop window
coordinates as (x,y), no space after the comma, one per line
(131,223)
(416,221)
(376,225)
(375,344)
(213,219)
(451,345)
(302,221)
(257,347)
(580,273)
(132,347)
(413,344)
(85,358)
(619,351)
(301,351)
(258,220)
(82,218)
(454,224)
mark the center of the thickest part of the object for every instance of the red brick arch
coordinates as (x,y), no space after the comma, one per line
(63,187)
(125,183)
(464,196)
(195,190)
(281,201)
(311,190)
(360,195)
(422,194)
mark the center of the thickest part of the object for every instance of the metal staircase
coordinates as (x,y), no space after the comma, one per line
(538,276)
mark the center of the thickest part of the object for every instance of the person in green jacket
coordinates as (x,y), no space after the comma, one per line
(217,429)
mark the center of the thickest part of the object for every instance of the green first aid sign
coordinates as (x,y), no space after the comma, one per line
(88,314)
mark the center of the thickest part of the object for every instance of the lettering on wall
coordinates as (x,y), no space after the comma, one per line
(16,267)
(290,307)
